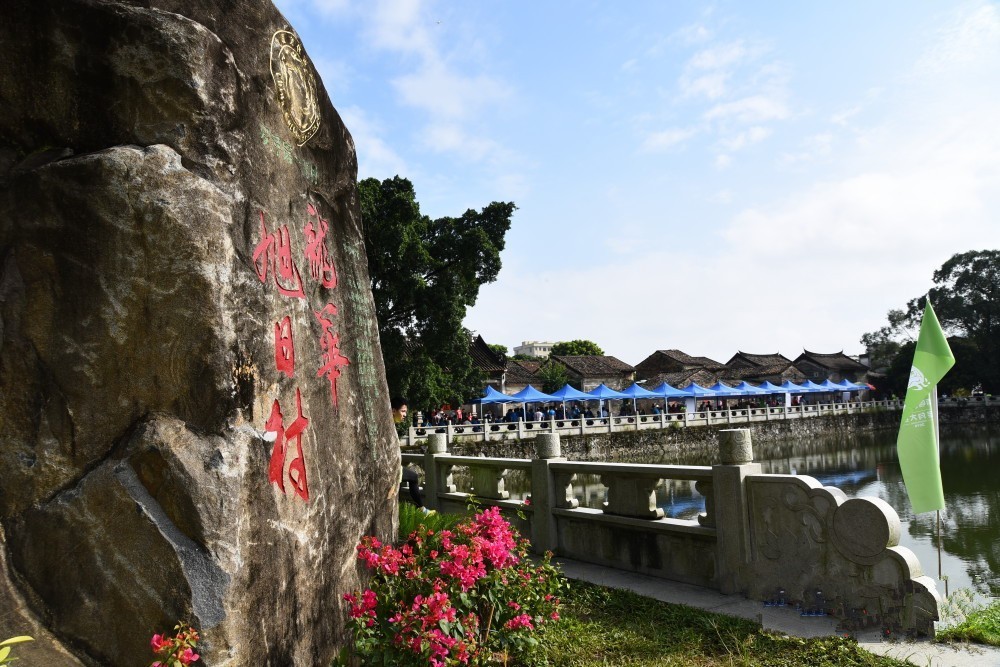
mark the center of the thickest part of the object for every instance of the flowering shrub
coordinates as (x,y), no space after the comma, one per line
(176,651)
(467,596)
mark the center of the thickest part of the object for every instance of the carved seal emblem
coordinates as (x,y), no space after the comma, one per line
(295,85)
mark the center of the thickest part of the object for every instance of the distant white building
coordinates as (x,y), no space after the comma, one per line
(534,348)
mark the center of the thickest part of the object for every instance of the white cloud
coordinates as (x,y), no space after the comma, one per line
(446,137)
(695,33)
(712,86)
(401,26)
(812,148)
(742,140)
(722,161)
(968,39)
(723,56)
(752,109)
(444,92)
(841,118)
(665,140)
(375,157)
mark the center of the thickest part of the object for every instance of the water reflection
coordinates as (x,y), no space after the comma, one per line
(866,465)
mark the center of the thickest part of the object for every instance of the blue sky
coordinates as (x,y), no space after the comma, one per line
(710,177)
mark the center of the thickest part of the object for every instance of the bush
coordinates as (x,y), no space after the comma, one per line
(468,596)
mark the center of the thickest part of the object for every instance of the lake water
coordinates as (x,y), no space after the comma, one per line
(866,465)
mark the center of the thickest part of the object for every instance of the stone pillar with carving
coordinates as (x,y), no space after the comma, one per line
(549,489)
(730,506)
(438,477)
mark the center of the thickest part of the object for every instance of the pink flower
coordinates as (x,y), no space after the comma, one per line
(520,621)
(158,643)
(188,656)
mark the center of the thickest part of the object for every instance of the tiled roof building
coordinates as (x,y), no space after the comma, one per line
(520,374)
(835,366)
(757,360)
(592,370)
(672,361)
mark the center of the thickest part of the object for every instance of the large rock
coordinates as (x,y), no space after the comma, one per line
(193,406)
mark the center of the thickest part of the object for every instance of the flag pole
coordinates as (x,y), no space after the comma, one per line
(937,441)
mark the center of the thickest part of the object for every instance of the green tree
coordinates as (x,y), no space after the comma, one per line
(577,348)
(499,350)
(553,376)
(966,298)
(424,275)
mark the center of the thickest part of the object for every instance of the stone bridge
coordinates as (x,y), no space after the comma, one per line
(780,538)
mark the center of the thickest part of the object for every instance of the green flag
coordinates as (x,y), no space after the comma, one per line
(917,444)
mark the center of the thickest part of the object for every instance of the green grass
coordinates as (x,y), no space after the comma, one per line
(411,516)
(610,627)
(980,626)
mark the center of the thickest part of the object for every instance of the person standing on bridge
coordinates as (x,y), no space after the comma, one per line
(409,476)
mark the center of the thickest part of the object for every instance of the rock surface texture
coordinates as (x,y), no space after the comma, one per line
(193,412)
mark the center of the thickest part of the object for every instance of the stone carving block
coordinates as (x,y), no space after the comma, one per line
(192,394)
(813,542)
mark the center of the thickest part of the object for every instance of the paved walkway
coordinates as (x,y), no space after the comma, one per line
(779,619)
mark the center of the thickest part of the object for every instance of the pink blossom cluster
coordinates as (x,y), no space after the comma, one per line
(178,648)
(452,597)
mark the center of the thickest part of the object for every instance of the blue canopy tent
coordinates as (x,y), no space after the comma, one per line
(530,395)
(772,388)
(603,392)
(809,385)
(750,390)
(491,395)
(664,390)
(635,392)
(790,387)
(695,391)
(724,390)
(568,393)
(847,385)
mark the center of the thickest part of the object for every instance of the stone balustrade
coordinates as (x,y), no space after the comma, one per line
(765,536)
(596,425)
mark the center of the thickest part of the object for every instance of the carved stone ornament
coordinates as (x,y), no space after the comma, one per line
(295,85)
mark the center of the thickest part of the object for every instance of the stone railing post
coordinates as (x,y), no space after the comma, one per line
(438,478)
(489,482)
(547,491)
(732,521)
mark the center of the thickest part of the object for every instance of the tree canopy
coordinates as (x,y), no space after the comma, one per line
(966,299)
(553,376)
(424,275)
(576,348)
(499,350)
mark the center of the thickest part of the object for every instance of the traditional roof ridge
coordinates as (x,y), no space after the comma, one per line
(484,357)
(820,357)
(593,363)
(762,358)
(684,357)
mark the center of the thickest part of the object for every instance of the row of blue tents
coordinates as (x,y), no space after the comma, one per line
(664,391)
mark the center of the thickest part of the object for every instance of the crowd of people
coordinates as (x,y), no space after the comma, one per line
(559,411)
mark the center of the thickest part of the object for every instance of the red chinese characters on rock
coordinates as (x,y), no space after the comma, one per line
(329,342)
(297,468)
(273,255)
(284,349)
(321,267)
